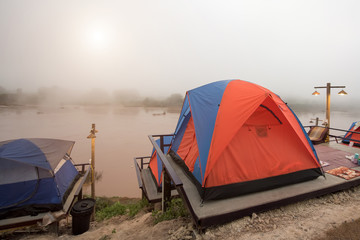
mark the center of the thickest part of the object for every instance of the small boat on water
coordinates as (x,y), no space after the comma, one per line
(159,114)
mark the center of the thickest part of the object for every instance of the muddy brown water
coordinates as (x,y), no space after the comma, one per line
(122,135)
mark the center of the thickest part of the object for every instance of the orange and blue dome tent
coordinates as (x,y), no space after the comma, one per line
(234,137)
(353,134)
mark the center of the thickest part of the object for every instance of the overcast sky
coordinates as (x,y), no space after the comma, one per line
(168,46)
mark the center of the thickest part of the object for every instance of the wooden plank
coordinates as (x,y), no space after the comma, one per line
(150,188)
(20,221)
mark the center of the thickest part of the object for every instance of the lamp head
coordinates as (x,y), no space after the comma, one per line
(342,92)
(315,93)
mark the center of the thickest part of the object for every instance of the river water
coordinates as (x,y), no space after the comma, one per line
(122,135)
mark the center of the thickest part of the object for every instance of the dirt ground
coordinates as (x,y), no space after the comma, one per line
(304,220)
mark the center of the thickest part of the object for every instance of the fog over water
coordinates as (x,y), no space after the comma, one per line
(162,47)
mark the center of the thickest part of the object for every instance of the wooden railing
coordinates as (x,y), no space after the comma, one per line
(85,173)
(336,137)
(82,165)
(168,173)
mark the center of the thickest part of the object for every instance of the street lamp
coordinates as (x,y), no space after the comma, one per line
(328,87)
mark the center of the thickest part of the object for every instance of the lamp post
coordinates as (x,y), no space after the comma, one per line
(92,136)
(328,88)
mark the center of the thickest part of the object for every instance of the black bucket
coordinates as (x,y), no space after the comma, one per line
(81,213)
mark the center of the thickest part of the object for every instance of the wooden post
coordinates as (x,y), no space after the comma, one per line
(166,190)
(317,121)
(92,136)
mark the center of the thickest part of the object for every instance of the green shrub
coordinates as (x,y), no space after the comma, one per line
(136,207)
(175,209)
(111,211)
(103,202)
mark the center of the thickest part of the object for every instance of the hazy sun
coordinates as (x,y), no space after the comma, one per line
(97,37)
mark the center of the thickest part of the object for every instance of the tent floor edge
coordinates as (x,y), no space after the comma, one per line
(237,189)
(32,210)
(189,174)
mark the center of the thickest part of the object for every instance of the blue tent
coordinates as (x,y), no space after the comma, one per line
(35,175)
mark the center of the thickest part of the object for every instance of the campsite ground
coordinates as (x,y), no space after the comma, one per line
(304,220)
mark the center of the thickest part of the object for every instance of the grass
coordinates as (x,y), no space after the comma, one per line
(175,210)
(110,207)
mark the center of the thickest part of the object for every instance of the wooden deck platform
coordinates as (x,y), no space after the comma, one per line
(47,218)
(217,212)
(148,185)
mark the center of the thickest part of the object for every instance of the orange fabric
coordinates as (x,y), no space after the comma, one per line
(249,142)
(154,167)
(192,156)
(355,136)
(260,150)
(187,140)
(239,101)
(283,108)
(188,149)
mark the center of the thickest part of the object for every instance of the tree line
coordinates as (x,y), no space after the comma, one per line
(60,96)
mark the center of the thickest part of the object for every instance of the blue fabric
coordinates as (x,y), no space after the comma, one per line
(180,133)
(205,101)
(24,151)
(197,172)
(65,176)
(167,140)
(184,112)
(16,192)
(46,194)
